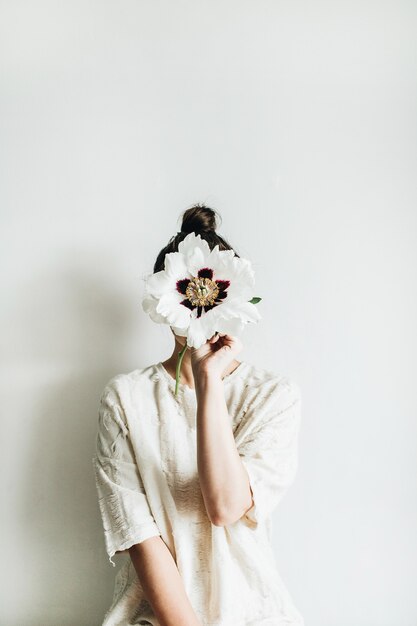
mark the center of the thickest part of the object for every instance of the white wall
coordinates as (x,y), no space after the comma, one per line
(297,121)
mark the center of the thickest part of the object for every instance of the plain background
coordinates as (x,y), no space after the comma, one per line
(297,121)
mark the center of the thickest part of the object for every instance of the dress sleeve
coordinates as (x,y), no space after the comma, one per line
(126,515)
(269,447)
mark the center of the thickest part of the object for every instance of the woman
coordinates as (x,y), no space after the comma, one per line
(187,483)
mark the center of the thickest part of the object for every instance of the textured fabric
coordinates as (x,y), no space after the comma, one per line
(147,481)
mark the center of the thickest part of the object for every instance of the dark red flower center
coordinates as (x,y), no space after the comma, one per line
(202,292)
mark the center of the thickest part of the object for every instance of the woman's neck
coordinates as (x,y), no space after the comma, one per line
(187,376)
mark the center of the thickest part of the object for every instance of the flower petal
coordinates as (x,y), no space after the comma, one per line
(192,241)
(233,326)
(223,286)
(218,259)
(182,332)
(186,302)
(182,285)
(201,329)
(170,307)
(246,311)
(149,304)
(196,251)
(242,278)
(176,266)
(158,283)
(195,261)
(221,296)
(205,272)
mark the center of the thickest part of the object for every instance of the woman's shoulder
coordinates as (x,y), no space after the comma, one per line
(123,382)
(257,376)
(255,380)
(262,383)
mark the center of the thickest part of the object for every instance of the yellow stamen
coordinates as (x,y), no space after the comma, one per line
(202,291)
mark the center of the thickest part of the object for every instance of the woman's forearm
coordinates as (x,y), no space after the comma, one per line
(162,583)
(223,478)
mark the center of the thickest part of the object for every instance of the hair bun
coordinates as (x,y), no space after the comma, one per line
(199,219)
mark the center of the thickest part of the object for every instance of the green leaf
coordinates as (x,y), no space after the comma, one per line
(255,300)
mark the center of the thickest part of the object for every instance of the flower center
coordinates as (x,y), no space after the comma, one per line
(201,291)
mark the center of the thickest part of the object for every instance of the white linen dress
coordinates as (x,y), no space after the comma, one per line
(145,465)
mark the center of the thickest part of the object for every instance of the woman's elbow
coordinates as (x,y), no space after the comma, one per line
(228,516)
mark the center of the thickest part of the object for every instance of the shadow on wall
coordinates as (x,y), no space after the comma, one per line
(80,327)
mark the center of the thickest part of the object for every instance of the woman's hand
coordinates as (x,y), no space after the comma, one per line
(215,356)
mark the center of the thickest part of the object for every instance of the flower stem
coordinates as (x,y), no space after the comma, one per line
(178,368)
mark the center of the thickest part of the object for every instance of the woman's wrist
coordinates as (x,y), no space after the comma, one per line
(205,380)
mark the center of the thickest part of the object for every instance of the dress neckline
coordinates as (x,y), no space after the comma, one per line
(226,379)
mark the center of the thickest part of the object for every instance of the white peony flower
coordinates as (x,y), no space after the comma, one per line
(201,292)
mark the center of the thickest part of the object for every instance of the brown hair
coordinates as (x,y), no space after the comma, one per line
(201,220)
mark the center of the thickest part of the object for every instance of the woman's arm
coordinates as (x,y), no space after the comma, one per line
(162,583)
(223,478)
